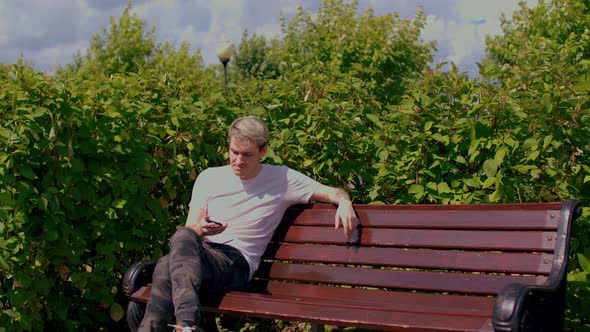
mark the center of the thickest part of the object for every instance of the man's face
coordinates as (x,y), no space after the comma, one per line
(244,158)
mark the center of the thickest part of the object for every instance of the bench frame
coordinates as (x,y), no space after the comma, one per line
(538,306)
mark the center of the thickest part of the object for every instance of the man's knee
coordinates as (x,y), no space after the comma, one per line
(185,234)
(161,271)
(185,245)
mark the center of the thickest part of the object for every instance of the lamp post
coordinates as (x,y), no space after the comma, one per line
(224,53)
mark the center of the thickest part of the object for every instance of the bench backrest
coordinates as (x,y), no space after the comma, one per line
(467,249)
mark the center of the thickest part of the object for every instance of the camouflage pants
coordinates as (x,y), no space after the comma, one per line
(191,265)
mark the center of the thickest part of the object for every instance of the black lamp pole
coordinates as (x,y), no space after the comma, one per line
(224,61)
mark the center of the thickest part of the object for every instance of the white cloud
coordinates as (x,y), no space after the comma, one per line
(435,28)
(225,23)
(269,30)
(51,57)
(463,42)
(489,11)
(461,36)
(50,32)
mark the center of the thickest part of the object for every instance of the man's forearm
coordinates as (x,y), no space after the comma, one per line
(332,195)
(339,194)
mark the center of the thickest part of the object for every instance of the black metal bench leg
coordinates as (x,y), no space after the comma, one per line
(208,322)
(315,327)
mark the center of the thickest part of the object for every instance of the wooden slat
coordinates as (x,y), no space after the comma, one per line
(521,220)
(367,304)
(523,217)
(395,279)
(481,240)
(401,301)
(439,207)
(415,258)
(398,307)
(295,309)
(518,220)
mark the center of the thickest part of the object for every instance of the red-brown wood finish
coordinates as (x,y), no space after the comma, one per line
(412,268)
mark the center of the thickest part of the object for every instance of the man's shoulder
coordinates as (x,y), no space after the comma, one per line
(275,168)
(218,168)
(285,171)
(215,171)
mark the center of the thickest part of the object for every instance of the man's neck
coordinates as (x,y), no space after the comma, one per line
(255,173)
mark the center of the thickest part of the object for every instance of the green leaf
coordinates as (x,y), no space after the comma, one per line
(27,172)
(530,143)
(547,140)
(373,194)
(473,182)
(580,276)
(112,113)
(39,111)
(490,167)
(6,133)
(443,188)
(416,189)
(500,154)
(375,119)
(50,233)
(440,138)
(474,147)
(432,186)
(584,262)
(533,155)
(259,111)
(473,156)
(461,159)
(488,183)
(119,203)
(77,166)
(116,311)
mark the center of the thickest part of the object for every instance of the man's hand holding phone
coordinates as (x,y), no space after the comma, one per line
(210,227)
(214,222)
(203,225)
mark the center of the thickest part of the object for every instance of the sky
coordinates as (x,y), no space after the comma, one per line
(49,33)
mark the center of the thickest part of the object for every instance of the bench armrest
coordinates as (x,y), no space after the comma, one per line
(529,308)
(139,274)
(539,308)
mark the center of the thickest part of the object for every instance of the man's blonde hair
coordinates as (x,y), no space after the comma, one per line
(249,129)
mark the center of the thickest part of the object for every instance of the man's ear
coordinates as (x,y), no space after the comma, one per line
(263,151)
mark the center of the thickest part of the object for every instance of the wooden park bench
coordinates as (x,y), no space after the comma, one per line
(485,267)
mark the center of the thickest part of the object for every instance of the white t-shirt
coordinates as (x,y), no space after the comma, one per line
(251,208)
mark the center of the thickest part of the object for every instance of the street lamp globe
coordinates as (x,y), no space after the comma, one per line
(225,49)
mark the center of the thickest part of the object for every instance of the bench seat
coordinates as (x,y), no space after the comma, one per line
(353,306)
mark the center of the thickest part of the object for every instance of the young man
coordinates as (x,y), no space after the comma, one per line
(233,213)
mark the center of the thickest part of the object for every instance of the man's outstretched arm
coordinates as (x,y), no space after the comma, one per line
(345,215)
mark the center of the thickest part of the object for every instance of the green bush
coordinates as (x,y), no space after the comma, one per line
(95,174)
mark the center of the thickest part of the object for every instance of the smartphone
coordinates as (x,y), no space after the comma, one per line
(215,222)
